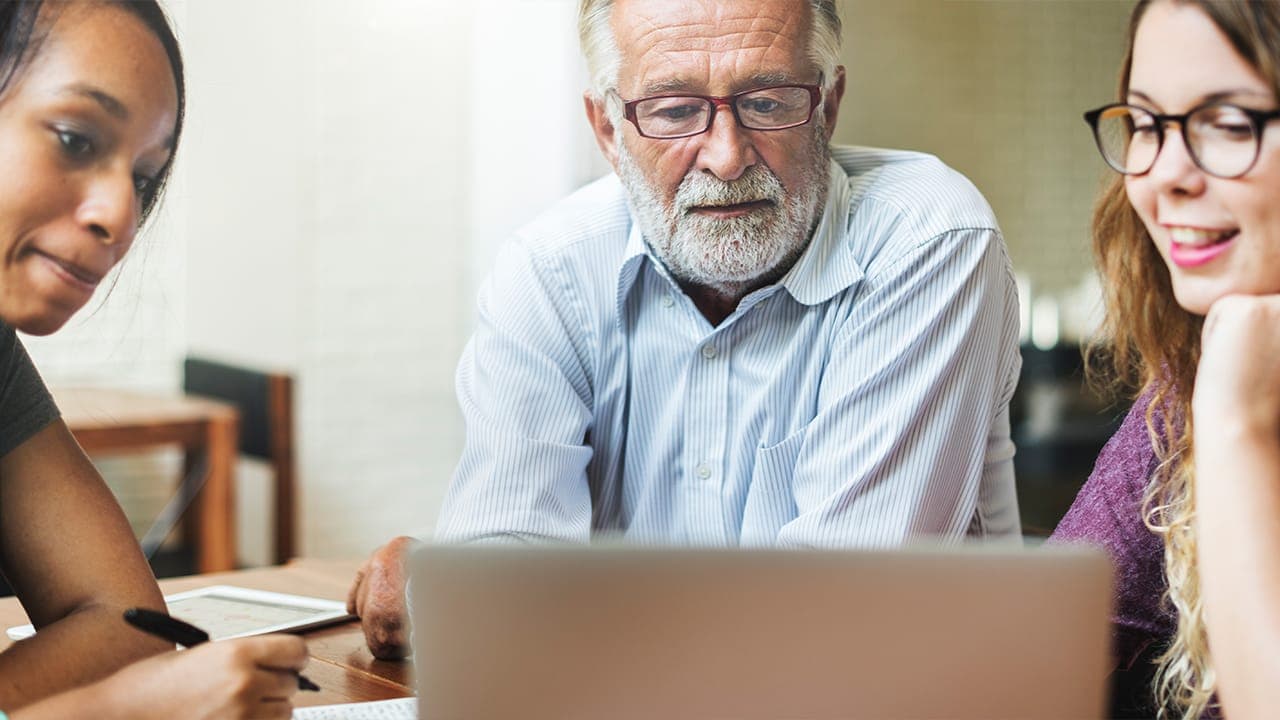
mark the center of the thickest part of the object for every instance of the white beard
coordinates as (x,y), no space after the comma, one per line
(731,255)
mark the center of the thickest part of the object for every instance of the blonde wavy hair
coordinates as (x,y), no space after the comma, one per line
(1151,343)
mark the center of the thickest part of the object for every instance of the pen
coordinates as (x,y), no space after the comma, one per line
(185,634)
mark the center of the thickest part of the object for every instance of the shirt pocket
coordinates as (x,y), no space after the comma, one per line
(770,502)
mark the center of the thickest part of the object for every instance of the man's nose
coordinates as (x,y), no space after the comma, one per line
(727,150)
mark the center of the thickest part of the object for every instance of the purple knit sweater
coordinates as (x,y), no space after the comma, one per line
(1108,513)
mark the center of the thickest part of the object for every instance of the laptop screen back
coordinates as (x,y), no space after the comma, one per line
(542,633)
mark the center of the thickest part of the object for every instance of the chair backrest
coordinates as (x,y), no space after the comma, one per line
(265,402)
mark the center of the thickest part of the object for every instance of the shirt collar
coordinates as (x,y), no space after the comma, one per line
(826,267)
(632,259)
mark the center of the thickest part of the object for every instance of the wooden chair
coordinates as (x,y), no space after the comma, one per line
(265,402)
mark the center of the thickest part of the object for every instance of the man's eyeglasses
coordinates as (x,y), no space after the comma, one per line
(1222,139)
(667,117)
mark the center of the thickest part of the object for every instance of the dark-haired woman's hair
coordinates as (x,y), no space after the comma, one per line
(1154,343)
(23,24)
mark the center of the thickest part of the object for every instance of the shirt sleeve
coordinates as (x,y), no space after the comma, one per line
(25,404)
(525,395)
(913,402)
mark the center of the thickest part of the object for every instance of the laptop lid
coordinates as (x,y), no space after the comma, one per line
(619,633)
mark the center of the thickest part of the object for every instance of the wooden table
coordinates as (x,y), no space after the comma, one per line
(107,421)
(340,661)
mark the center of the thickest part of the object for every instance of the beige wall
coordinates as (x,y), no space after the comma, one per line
(996,88)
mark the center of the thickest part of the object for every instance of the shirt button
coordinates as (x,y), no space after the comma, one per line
(709,351)
(704,472)
(667,301)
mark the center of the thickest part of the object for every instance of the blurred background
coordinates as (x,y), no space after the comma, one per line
(349,169)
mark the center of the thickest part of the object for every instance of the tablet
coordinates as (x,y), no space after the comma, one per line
(227,611)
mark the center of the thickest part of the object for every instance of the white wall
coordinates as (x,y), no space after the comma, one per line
(529,136)
(352,166)
(347,172)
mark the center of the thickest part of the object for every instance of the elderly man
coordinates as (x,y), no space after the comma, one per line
(747,337)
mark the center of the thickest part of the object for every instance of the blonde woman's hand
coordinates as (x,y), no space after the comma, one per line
(1238,380)
(1237,498)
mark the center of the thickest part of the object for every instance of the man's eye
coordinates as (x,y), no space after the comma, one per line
(74,144)
(761,106)
(677,112)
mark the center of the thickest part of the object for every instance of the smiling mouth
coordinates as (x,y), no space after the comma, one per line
(72,272)
(1198,238)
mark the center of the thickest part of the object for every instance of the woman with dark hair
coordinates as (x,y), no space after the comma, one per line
(91,105)
(1186,496)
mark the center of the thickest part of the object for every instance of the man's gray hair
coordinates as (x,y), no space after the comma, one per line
(603,59)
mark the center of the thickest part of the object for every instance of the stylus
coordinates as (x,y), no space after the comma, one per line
(185,634)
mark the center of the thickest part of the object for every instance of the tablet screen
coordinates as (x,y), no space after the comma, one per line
(225,614)
(227,611)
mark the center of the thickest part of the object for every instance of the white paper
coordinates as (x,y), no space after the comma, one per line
(398,709)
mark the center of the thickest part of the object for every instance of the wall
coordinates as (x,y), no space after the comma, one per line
(347,173)
(390,146)
(997,89)
(350,167)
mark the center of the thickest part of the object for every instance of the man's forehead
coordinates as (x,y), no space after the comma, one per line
(697,44)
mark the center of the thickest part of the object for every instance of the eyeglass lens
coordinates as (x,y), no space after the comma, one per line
(765,109)
(1222,139)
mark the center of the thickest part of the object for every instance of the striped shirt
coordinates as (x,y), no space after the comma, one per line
(860,401)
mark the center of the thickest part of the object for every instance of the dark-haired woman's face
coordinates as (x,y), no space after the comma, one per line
(84,131)
(1217,236)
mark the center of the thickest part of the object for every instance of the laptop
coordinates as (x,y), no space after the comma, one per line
(620,633)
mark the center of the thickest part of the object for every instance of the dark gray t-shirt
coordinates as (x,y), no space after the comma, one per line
(26,407)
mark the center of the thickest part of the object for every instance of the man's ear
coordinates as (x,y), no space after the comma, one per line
(607,134)
(831,103)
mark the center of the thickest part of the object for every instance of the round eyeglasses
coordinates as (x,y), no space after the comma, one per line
(1222,139)
(667,117)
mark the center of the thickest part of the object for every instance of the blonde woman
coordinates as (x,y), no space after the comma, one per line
(1189,229)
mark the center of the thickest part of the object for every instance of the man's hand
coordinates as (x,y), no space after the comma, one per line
(377,597)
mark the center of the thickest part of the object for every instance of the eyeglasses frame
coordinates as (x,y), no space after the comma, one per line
(1259,118)
(718,101)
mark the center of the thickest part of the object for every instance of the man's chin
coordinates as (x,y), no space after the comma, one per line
(728,275)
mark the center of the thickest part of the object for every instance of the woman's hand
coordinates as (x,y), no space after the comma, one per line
(227,680)
(1236,407)
(1238,380)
